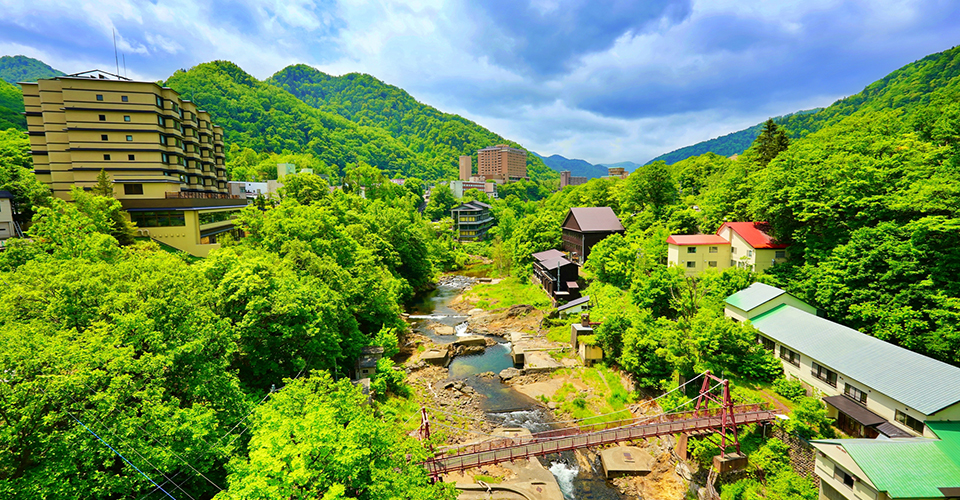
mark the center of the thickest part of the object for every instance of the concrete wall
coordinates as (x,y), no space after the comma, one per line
(6,219)
(702,258)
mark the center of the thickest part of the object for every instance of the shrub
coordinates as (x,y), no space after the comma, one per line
(790,389)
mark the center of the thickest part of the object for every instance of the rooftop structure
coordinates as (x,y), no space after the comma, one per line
(759,298)
(586,226)
(736,244)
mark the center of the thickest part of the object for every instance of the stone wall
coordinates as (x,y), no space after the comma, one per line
(803,456)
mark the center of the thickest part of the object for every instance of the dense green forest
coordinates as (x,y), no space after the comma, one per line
(15,69)
(909,88)
(11,107)
(224,377)
(577,168)
(438,139)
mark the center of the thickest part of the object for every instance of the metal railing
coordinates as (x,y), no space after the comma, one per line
(207,196)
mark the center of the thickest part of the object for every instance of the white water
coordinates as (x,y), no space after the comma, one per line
(461,329)
(532,420)
(565,475)
(434,316)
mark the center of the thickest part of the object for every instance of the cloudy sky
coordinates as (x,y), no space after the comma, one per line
(602,81)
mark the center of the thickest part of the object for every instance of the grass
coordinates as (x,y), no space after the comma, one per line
(509,292)
(487,479)
(191,259)
(605,394)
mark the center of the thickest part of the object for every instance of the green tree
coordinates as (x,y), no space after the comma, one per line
(304,187)
(650,187)
(103,187)
(771,142)
(441,201)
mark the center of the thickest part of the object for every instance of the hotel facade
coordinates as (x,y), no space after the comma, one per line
(163,155)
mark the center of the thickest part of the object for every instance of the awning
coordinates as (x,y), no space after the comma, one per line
(854,410)
(892,431)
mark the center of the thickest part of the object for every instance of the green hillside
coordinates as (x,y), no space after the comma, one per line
(11,105)
(15,69)
(577,168)
(437,138)
(906,89)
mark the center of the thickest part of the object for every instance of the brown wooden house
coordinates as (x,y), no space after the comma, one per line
(557,275)
(584,227)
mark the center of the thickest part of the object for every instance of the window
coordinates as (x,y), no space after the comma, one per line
(159,102)
(157,219)
(733,250)
(855,393)
(691,249)
(206,182)
(749,253)
(126,118)
(99,97)
(768,344)
(164,158)
(712,263)
(129,138)
(842,476)
(781,254)
(160,120)
(789,356)
(713,250)
(691,265)
(124,98)
(103,137)
(103,118)
(133,189)
(910,422)
(106,157)
(824,374)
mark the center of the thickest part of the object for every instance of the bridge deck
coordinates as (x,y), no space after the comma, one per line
(502,451)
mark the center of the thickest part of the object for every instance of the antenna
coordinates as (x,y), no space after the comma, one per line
(116,59)
(124,64)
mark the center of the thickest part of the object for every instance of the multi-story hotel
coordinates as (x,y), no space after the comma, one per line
(502,163)
(162,153)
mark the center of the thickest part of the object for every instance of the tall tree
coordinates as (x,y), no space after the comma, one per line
(103,187)
(771,141)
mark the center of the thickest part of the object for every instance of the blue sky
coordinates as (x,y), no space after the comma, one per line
(601,81)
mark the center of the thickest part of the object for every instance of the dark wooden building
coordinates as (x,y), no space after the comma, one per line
(557,275)
(584,227)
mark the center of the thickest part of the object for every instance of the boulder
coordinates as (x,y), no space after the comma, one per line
(509,373)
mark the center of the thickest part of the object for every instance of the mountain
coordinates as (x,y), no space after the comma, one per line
(11,107)
(415,141)
(15,69)
(906,89)
(578,168)
(436,138)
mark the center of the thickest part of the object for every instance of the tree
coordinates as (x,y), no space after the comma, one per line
(103,187)
(441,201)
(107,213)
(651,186)
(317,438)
(304,187)
(771,141)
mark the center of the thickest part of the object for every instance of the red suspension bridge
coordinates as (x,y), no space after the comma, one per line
(722,419)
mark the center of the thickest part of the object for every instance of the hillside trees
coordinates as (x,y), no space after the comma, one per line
(771,141)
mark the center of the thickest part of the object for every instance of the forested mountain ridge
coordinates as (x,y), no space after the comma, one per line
(11,107)
(579,168)
(905,89)
(437,138)
(14,69)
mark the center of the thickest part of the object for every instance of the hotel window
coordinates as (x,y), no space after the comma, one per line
(133,189)
(164,158)
(129,138)
(789,356)
(106,157)
(159,102)
(691,265)
(713,250)
(126,118)
(103,118)
(160,120)
(910,422)
(829,377)
(712,263)
(855,393)
(131,157)
(163,139)
(103,137)
(691,249)
(124,98)
(768,344)
(781,254)
(157,219)
(99,97)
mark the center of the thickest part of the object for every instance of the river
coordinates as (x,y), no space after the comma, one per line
(504,406)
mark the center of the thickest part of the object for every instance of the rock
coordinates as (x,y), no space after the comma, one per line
(448,384)
(444,330)
(552,405)
(468,390)
(473,312)
(458,385)
(487,375)
(509,373)
(474,349)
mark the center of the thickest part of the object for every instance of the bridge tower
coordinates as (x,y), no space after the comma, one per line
(725,402)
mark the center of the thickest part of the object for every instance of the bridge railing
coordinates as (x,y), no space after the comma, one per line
(594,428)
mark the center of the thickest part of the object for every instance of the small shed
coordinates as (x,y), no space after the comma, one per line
(576,330)
(588,350)
(367,363)
(574,306)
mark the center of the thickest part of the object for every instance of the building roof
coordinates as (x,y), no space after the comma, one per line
(919,382)
(6,194)
(471,205)
(753,296)
(909,468)
(554,262)
(756,234)
(595,219)
(574,303)
(696,239)
(855,410)
(547,254)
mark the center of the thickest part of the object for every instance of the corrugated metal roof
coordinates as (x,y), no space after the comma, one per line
(909,468)
(596,219)
(754,295)
(574,303)
(919,382)
(754,233)
(547,254)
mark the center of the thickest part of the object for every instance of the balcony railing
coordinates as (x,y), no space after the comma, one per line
(208,196)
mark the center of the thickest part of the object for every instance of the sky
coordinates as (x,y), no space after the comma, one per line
(601,81)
